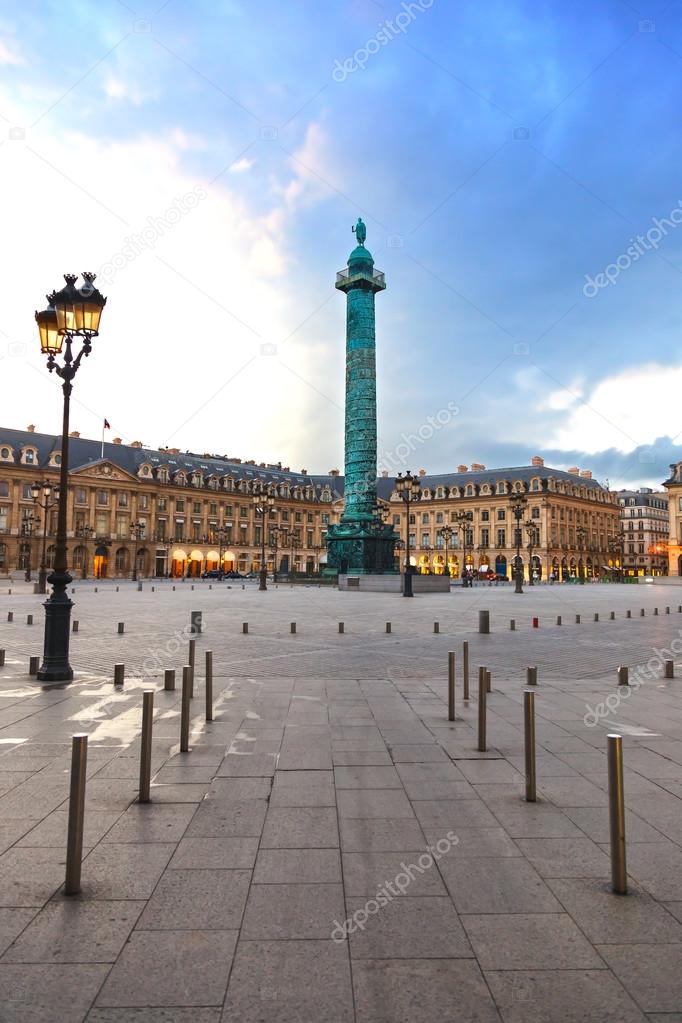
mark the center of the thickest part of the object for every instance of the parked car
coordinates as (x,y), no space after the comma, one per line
(233,575)
(252,575)
(213,573)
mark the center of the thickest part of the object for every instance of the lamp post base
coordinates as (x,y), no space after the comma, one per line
(263,577)
(55,667)
(407,586)
(42,580)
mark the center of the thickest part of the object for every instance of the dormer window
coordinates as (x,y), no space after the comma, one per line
(163,474)
(6,454)
(29,456)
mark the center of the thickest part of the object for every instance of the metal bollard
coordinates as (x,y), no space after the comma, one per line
(436,627)
(451,686)
(139,587)
(484,622)
(173,588)
(512,625)
(388,626)
(596,616)
(29,619)
(655,610)
(169,679)
(192,660)
(482,695)
(10,616)
(75,624)
(74,838)
(623,675)
(679,608)
(119,673)
(667,610)
(184,710)
(465,669)
(619,877)
(209,685)
(95,589)
(292,628)
(577,619)
(628,614)
(33,665)
(612,616)
(117,589)
(488,681)
(342,627)
(669,669)
(535,623)
(531,676)
(191,587)
(154,588)
(195,622)
(146,745)
(121,628)
(558,619)
(2,658)
(642,612)
(245,628)
(529,743)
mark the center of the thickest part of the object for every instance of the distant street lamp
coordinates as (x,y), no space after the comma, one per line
(137,531)
(28,524)
(50,497)
(581,533)
(518,506)
(85,533)
(262,504)
(72,313)
(222,533)
(531,529)
(463,520)
(446,532)
(409,489)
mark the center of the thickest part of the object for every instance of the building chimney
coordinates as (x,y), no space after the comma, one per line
(334,472)
(117,440)
(537,461)
(304,472)
(384,473)
(462,468)
(74,433)
(31,429)
(422,472)
(586,474)
(574,470)
(138,444)
(477,467)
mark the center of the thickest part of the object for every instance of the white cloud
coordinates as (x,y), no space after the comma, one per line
(239,166)
(9,56)
(120,89)
(624,411)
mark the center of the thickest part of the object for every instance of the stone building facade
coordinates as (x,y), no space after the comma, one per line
(193,511)
(645,529)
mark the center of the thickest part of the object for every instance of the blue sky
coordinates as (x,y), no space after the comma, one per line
(498,153)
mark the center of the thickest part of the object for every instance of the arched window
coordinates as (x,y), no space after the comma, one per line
(6,454)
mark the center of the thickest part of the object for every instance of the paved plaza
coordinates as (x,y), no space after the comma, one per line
(281,872)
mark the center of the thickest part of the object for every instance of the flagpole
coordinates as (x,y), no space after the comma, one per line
(102,455)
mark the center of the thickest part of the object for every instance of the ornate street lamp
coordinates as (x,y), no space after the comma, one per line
(446,532)
(72,313)
(531,528)
(518,506)
(28,524)
(273,543)
(409,489)
(137,531)
(50,495)
(581,533)
(85,533)
(222,533)
(616,546)
(262,504)
(463,521)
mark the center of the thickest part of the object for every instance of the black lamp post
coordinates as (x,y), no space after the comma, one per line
(262,504)
(464,520)
(72,313)
(28,524)
(85,533)
(518,506)
(581,533)
(50,497)
(137,531)
(446,532)
(531,529)
(409,489)
(616,545)
(222,533)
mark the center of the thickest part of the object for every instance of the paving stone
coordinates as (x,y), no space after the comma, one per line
(475,843)
(565,857)
(180,968)
(268,982)
(537,822)
(193,1015)
(149,822)
(277,911)
(215,853)
(125,871)
(196,900)
(238,790)
(421,991)
(42,993)
(538,941)
(652,976)
(358,777)
(12,923)
(29,877)
(75,931)
(52,830)
(300,828)
(406,928)
(562,996)
(657,867)
(426,753)
(298,866)
(487,771)
(373,803)
(255,765)
(365,872)
(449,814)
(594,822)
(605,918)
(496,885)
(215,818)
(370,835)
(305,760)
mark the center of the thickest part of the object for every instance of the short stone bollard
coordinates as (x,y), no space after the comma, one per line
(628,614)
(558,619)
(117,589)
(10,616)
(95,589)
(655,610)
(2,658)
(669,669)
(119,674)
(121,628)
(451,686)
(33,665)
(512,625)
(623,675)
(436,627)
(173,588)
(154,588)
(245,628)
(342,626)
(192,586)
(209,685)
(74,625)
(642,613)
(612,616)
(465,669)
(388,626)
(484,622)
(531,676)
(29,619)
(292,628)
(679,608)
(596,616)
(139,587)
(667,610)
(577,619)
(195,622)
(169,680)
